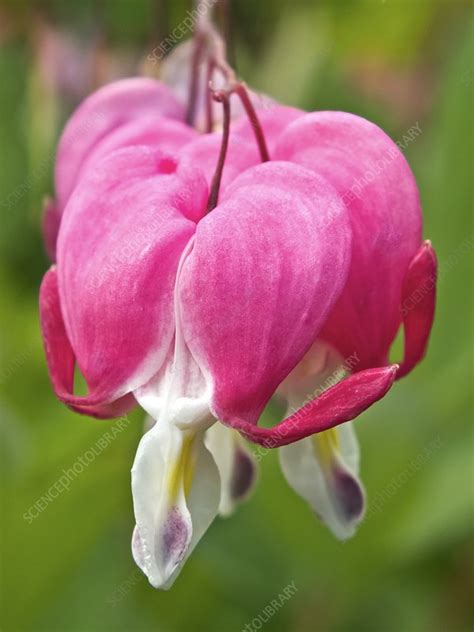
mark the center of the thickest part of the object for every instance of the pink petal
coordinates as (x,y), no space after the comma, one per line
(119,246)
(418,306)
(160,132)
(377,186)
(61,360)
(343,402)
(266,267)
(101,113)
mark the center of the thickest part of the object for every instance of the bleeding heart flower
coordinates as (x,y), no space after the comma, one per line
(199,283)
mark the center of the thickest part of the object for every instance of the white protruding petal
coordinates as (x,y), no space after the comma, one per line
(176,492)
(323,469)
(175,480)
(236,464)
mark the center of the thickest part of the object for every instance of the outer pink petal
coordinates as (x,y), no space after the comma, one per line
(160,132)
(341,403)
(418,306)
(61,360)
(266,267)
(119,246)
(102,112)
(380,193)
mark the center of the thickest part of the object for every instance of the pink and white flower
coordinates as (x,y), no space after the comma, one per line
(203,312)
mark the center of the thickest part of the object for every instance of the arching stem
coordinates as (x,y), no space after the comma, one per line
(241,90)
(221,96)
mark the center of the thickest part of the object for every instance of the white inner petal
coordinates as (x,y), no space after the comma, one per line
(175,480)
(323,468)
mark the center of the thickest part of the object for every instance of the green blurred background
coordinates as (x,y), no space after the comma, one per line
(399,63)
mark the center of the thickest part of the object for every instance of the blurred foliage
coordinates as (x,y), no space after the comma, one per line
(410,566)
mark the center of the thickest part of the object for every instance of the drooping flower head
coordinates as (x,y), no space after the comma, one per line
(199,274)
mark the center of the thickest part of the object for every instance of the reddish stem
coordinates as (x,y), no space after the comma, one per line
(221,96)
(241,91)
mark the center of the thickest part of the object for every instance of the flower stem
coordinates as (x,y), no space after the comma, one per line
(221,96)
(241,90)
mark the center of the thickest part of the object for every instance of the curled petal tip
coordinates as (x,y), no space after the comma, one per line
(61,360)
(340,403)
(418,306)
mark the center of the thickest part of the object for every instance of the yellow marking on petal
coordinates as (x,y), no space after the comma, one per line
(326,445)
(182,470)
